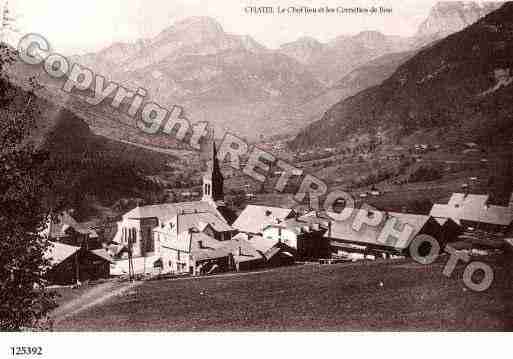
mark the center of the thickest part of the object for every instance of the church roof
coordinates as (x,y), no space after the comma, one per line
(201,220)
(168,210)
(197,220)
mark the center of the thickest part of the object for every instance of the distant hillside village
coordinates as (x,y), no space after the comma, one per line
(203,237)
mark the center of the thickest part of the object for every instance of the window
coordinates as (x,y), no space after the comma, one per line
(149,245)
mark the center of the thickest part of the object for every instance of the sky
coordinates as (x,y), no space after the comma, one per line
(78,26)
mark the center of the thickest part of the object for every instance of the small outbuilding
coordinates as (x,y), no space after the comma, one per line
(71,264)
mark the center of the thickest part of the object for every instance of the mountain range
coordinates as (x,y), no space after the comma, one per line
(459,88)
(239,85)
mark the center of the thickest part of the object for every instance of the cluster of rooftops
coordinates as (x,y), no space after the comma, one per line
(190,221)
(180,233)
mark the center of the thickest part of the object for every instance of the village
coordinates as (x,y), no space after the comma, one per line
(205,237)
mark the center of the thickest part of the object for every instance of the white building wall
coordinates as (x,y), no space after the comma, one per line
(174,261)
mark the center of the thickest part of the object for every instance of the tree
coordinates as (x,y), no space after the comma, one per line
(23,297)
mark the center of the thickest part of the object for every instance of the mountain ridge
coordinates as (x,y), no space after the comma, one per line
(452,87)
(239,85)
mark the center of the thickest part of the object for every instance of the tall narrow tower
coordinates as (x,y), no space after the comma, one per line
(213,179)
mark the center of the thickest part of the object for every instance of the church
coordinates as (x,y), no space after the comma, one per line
(146,228)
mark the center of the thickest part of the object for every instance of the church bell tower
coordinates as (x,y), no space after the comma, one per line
(213,179)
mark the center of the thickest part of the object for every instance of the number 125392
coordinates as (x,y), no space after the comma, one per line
(26,351)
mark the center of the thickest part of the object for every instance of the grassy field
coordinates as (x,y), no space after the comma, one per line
(308,297)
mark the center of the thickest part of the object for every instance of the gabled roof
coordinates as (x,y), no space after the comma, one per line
(168,210)
(301,225)
(254,219)
(59,252)
(417,221)
(319,217)
(473,208)
(102,253)
(61,224)
(266,247)
(189,242)
(197,220)
(279,248)
(343,230)
(210,247)
(201,220)
(442,221)
(445,211)
(262,244)
(242,250)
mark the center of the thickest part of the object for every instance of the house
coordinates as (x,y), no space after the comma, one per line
(193,252)
(305,235)
(63,228)
(245,255)
(135,230)
(71,264)
(474,211)
(253,219)
(346,238)
(276,254)
(207,222)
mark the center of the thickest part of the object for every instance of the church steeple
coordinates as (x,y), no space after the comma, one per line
(213,179)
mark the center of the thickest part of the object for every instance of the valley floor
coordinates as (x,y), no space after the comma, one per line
(393,295)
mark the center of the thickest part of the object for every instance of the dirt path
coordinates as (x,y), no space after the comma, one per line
(94,296)
(100,293)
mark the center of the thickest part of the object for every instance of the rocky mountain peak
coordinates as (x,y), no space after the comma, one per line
(447,17)
(199,28)
(304,49)
(251,44)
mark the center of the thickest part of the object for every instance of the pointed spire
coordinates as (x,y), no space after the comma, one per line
(213,178)
(215,161)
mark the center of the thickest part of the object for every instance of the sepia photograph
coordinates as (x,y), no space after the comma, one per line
(268,168)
